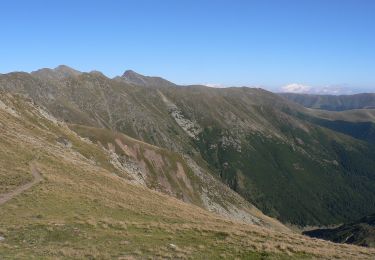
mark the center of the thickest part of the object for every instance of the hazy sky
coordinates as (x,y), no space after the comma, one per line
(300,45)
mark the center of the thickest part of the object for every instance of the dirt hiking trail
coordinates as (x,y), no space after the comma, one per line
(10,195)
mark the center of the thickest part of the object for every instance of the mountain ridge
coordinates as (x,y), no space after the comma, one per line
(333,102)
(262,146)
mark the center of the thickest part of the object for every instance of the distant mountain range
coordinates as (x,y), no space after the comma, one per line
(333,102)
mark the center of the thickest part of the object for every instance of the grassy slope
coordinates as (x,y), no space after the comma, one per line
(83,210)
(160,165)
(172,174)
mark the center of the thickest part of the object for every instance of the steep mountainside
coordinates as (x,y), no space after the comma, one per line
(175,175)
(63,197)
(332,102)
(262,146)
(361,232)
(287,166)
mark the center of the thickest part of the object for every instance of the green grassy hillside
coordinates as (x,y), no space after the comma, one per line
(84,207)
(173,174)
(287,165)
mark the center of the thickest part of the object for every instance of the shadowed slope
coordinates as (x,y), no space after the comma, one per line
(361,232)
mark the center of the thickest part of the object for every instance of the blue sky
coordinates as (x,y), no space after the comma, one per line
(307,45)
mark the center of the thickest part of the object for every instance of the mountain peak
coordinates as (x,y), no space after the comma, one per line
(67,71)
(129,73)
(135,78)
(61,71)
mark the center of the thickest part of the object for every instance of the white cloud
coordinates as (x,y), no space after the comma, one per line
(213,85)
(296,88)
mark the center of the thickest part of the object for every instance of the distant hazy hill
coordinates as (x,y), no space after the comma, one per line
(332,102)
(361,232)
(274,153)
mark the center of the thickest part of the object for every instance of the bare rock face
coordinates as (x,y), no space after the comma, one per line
(191,128)
(64,141)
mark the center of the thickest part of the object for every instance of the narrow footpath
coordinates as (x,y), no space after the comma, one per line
(10,195)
